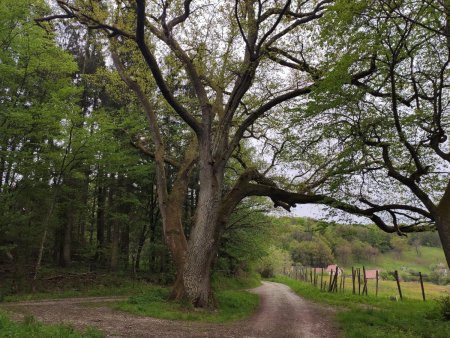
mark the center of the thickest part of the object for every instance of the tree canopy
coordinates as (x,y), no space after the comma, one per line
(180,110)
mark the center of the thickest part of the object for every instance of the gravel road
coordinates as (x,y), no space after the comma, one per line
(281,314)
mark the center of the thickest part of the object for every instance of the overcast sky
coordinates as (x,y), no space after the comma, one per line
(308,210)
(320,212)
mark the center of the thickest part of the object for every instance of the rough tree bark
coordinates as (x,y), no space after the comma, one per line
(443,222)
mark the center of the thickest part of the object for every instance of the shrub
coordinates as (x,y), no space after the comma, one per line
(267,272)
(439,275)
(444,307)
(387,275)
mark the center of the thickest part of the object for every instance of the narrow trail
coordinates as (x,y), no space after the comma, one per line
(281,314)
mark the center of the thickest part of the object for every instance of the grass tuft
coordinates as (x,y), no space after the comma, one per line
(31,328)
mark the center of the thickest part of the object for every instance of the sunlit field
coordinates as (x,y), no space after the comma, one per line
(388,288)
(410,290)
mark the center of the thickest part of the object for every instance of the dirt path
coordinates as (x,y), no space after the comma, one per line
(281,313)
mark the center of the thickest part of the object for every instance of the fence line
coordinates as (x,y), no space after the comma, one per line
(337,277)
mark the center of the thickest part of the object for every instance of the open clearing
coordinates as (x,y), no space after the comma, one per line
(281,313)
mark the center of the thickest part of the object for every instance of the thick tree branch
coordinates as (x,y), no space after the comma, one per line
(138,145)
(287,200)
(73,12)
(153,124)
(154,68)
(259,112)
(181,18)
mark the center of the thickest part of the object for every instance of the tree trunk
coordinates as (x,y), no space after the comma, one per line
(443,223)
(443,227)
(203,240)
(44,236)
(84,212)
(177,244)
(141,242)
(100,218)
(125,245)
(9,168)
(115,246)
(2,167)
(67,237)
(111,206)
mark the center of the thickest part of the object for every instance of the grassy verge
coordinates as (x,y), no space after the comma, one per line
(233,302)
(31,328)
(368,316)
(122,287)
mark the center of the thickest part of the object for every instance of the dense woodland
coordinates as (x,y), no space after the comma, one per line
(145,136)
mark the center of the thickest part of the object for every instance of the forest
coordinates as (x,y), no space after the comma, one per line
(170,141)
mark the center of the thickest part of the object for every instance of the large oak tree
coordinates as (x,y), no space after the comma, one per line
(224,72)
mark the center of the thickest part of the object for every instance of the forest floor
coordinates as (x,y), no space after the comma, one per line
(281,313)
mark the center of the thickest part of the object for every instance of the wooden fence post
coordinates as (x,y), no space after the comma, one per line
(336,276)
(321,280)
(331,277)
(364,280)
(343,281)
(359,280)
(398,284)
(353,279)
(421,285)
(376,284)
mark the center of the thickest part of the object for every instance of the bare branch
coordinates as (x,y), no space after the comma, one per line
(154,68)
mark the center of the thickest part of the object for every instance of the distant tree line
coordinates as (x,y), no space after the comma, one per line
(318,244)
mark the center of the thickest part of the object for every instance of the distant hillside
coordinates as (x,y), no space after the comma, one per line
(307,242)
(388,261)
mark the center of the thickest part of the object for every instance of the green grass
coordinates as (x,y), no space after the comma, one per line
(390,261)
(124,287)
(220,282)
(233,302)
(368,316)
(410,290)
(30,328)
(146,299)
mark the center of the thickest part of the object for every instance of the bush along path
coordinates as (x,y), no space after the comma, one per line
(281,313)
